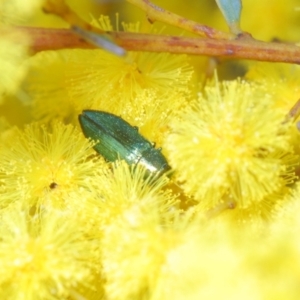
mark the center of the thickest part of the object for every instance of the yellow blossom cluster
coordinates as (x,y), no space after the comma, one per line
(222,224)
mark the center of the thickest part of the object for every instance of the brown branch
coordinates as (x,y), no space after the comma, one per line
(53,39)
(61,9)
(294,113)
(156,13)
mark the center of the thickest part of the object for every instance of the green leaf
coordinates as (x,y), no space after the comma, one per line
(231,10)
(99,40)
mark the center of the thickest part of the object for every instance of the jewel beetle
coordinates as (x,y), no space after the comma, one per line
(117,139)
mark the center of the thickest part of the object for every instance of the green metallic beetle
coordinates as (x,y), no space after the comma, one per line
(119,140)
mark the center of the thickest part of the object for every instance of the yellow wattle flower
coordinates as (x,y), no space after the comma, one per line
(71,228)
(46,164)
(13,52)
(14,45)
(63,83)
(231,146)
(283,84)
(125,187)
(281,80)
(42,257)
(134,211)
(18,11)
